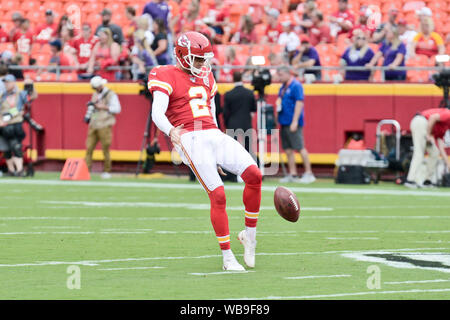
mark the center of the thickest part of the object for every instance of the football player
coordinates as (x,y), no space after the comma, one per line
(183,108)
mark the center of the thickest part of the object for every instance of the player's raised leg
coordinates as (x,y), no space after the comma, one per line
(237,160)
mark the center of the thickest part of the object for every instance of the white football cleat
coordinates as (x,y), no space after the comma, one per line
(231,264)
(249,249)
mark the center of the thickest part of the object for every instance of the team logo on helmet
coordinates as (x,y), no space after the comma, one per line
(183,41)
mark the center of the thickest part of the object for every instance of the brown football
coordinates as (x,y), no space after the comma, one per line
(287,204)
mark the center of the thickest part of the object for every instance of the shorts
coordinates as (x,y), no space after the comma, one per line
(292,140)
(204,150)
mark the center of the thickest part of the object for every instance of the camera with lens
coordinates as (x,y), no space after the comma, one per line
(90,110)
(442,80)
(261,79)
(29,88)
(144,88)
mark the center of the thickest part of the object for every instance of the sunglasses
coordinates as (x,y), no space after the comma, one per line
(360,38)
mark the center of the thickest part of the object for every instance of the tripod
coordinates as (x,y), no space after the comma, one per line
(445,103)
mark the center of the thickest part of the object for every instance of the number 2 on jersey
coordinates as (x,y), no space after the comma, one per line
(198,102)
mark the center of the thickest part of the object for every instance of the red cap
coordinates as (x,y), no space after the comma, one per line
(304,38)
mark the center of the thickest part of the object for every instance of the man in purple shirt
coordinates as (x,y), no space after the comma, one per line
(157,9)
(307,56)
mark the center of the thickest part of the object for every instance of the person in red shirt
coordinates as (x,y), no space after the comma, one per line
(319,31)
(17,19)
(58,58)
(343,20)
(45,32)
(184,109)
(246,33)
(4,37)
(220,15)
(226,73)
(427,42)
(427,129)
(82,47)
(273,29)
(362,24)
(189,17)
(23,39)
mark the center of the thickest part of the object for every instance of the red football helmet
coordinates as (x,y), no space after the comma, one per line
(191,45)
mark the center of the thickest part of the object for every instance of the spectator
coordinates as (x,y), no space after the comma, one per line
(10,60)
(427,129)
(273,29)
(58,58)
(220,15)
(363,22)
(188,17)
(393,51)
(130,13)
(46,31)
(116,31)
(12,104)
(406,35)
(358,55)
(307,56)
(3,73)
(238,109)
(424,12)
(17,19)
(380,33)
(4,37)
(160,42)
(277,60)
(157,9)
(226,73)
(82,48)
(427,42)
(23,39)
(289,39)
(343,20)
(247,33)
(319,32)
(106,107)
(306,22)
(290,109)
(142,55)
(64,25)
(104,54)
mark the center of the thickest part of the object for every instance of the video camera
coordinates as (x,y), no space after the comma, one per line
(261,79)
(442,80)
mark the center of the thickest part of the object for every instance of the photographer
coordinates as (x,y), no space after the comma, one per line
(100,115)
(12,103)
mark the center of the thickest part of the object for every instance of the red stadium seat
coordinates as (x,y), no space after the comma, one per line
(7,46)
(30,6)
(10,5)
(95,7)
(418,60)
(72,76)
(47,76)
(42,59)
(55,6)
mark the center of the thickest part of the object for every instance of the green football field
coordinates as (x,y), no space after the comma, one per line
(128,238)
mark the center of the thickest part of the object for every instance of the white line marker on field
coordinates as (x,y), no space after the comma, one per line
(418,281)
(132,268)
(55,227)
(363,238)
(182,186)
(337,295)
(315,277)
(221,272)
(97,262)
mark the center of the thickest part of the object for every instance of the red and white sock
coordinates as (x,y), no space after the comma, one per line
(252,199)
(219,217)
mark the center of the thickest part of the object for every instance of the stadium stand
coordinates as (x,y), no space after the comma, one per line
(81,11)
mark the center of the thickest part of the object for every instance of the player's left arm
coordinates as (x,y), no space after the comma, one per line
(441,147)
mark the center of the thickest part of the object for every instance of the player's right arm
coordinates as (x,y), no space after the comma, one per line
(159,85)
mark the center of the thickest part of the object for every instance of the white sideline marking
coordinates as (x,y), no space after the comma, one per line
(437,241)
(336,295)
(133,268)
(418,281)
(97,262)
(70,232)
(191,206)
(336,190)
(221,272)
(314,277)
(363,238)
(55,227)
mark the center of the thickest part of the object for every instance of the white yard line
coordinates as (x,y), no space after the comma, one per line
(315,277)
(418,281)
(56,227)
(97,262)
(133,268)
(337,295)
(216,273)
(182,186)
(363,238)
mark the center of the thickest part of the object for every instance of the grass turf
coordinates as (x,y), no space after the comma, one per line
(149,239)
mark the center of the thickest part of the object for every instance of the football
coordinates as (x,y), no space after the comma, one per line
(287,204)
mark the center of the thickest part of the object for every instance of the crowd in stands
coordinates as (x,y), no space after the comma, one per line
(86,38)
